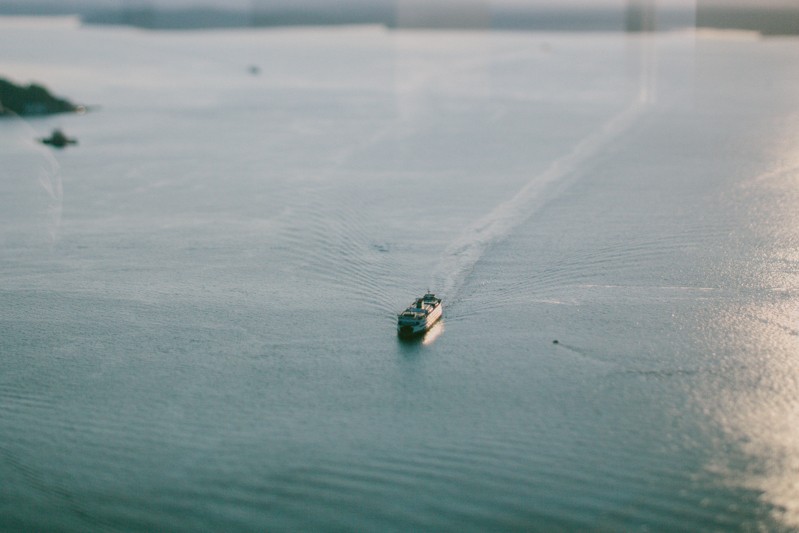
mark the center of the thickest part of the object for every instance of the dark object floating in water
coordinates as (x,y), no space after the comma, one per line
(58,139)
(555,341)
(254,70)
(32,100)
(419,316)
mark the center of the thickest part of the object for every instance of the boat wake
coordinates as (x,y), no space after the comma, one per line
(463,254)
(460,258)
(329,241)
(38,180)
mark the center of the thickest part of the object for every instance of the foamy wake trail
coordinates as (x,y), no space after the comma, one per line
(463,254)
(40,165)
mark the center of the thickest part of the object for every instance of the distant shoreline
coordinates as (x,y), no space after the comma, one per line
(780,21)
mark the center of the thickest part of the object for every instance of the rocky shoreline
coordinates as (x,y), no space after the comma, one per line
(32,100)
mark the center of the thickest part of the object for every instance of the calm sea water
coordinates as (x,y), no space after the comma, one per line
(197,319)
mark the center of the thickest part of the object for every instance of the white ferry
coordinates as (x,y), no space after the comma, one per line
(419,316)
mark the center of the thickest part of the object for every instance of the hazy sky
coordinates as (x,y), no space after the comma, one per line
(248,4)
(515,3)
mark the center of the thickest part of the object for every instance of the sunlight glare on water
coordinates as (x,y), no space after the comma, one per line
(756,402)
(762,410)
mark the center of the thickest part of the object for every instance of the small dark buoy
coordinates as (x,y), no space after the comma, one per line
(555,341)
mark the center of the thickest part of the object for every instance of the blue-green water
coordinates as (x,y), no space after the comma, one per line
(197,319)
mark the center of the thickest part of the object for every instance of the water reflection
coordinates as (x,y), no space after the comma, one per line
(412,344)
(433,333)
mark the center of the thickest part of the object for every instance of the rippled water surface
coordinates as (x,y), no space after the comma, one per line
(198,300)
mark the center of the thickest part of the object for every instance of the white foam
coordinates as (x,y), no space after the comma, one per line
(465,251)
